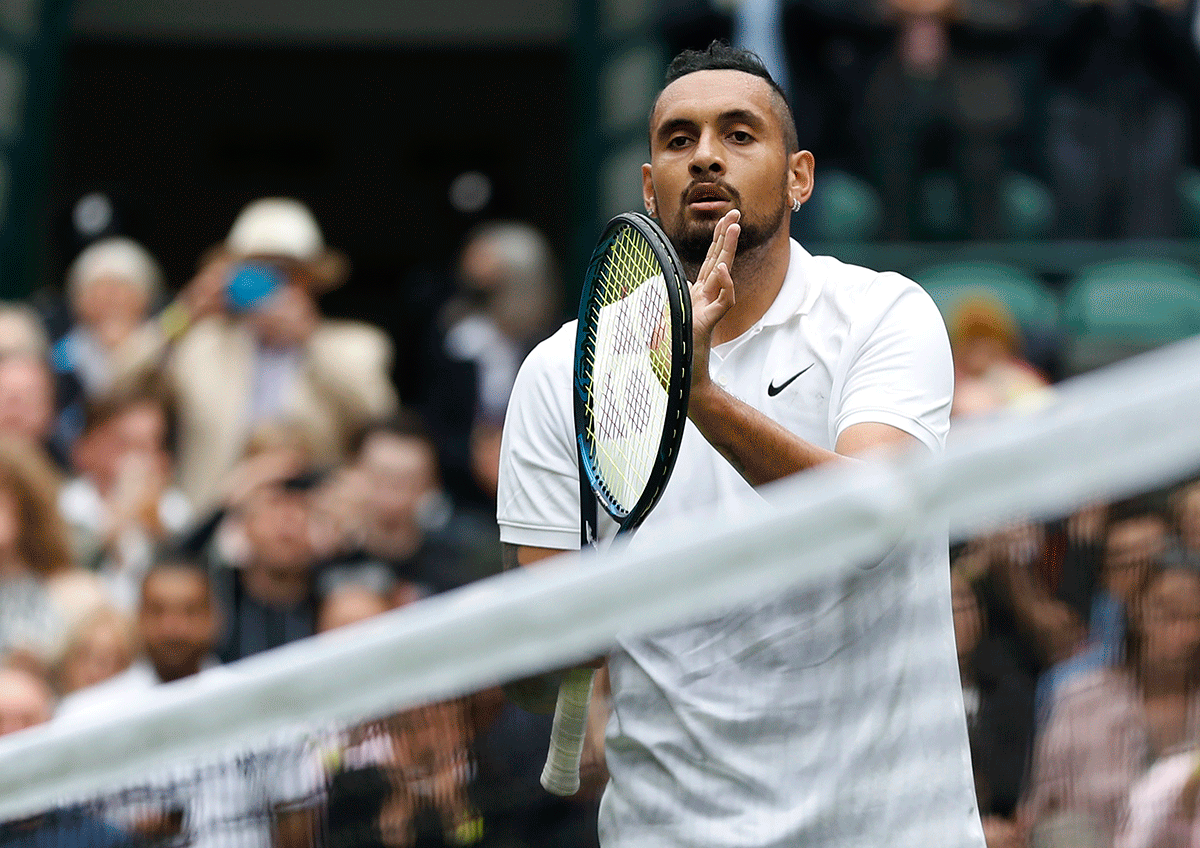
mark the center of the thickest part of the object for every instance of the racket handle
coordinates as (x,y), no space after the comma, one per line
(561,774)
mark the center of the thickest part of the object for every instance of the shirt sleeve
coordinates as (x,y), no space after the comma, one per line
(538,492)
(901,373)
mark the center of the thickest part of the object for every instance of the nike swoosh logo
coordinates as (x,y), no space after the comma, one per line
(773,389)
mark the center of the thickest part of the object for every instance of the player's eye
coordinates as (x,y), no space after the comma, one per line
(678,141)
(741,136)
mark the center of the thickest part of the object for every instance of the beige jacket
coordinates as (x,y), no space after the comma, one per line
(343,383)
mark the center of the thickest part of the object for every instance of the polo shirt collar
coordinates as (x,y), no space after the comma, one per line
(801,287)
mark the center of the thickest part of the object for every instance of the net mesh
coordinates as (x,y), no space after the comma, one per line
(630,365)
(393,731)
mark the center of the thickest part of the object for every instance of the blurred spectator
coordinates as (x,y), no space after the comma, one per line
(1196,25)
(269,598)
(100,646)
(23,337)
(27,404)
(338,505)
(999,701)
(21,331)
(758,27)
(26,701)
(1119,74)
(948,94)
(349,604)
(177,626)
(275,451)
(401,780)
(407,525)
(122,505)
(111,287)
(989,372)
(508,292)
(485,455)
(1035,628)
(1162,807)
(259,799)
(1186,511)
(1109,726)
(1135,538)
(1099,581)
(260,349)
(41,594)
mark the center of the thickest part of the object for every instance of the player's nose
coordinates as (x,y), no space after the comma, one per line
(707,156)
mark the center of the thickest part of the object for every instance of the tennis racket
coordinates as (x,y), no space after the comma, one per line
(633,364)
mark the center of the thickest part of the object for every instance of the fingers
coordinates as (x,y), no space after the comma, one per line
(729,243)
(719,279)
(718,246)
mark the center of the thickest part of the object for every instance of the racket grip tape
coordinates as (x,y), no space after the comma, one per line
(561,774)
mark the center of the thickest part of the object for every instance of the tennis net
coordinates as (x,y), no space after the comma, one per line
(392,731)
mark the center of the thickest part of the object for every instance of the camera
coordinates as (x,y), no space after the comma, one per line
(251,285)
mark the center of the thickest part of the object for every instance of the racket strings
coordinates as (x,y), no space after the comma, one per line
(631,351)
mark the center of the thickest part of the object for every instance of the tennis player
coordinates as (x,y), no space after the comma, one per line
(827,717)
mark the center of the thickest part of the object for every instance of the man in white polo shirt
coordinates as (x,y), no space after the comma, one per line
(830,716)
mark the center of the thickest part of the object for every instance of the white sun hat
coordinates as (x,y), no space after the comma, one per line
(284,228)
(115,258)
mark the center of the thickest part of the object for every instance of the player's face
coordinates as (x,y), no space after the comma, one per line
(717,143)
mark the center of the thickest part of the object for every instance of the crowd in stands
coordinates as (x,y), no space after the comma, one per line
(1079,644)
(984,119)
(187,481)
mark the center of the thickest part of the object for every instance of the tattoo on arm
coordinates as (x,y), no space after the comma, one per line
(508,556)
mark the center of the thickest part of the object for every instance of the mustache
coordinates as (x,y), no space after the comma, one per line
(702,188)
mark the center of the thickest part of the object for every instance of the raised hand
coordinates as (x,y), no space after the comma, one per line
(712,292)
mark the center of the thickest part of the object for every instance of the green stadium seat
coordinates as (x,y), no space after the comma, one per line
(1027,207)
(1034,306)
(1116,309)
(939,210)
(843,208)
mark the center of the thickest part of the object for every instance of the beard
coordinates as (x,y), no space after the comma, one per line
(692,239)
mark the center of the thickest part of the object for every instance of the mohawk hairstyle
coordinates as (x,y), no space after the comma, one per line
(719,56)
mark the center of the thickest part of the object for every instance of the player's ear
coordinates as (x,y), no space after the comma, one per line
(648,191)
(801,175)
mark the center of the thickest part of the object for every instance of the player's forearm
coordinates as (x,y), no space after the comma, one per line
(760,449)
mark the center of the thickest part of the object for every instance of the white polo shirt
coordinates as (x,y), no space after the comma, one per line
(829,716)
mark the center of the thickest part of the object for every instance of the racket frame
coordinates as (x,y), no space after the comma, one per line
(678,387)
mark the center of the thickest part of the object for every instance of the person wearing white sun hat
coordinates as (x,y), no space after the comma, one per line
(259,349)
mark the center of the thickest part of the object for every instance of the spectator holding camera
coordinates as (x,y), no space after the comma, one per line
(258,348)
